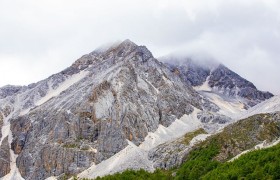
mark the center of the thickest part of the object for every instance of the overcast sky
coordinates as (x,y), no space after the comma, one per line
(42,37)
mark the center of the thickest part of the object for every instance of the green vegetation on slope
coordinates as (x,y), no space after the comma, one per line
(139,175)
(189,136)
(199,161)
(245,134)
(259,164)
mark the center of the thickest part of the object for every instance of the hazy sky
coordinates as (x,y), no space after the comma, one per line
(42,37)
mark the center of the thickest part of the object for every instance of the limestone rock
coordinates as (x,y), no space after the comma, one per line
(212,117)
(118,94)
(5,158)
(169,155)
(218,77)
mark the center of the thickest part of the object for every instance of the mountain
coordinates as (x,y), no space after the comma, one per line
(111,109)
(215,77)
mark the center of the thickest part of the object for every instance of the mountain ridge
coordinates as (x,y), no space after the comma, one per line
(118,71)
(104,102)
(219,78)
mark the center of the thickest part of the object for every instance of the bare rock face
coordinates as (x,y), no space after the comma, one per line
(188,70)
(9,91)
(212,117)
(169,155)
(232,84)
(53,144)
(172,154)
(115,95)
(220,79)
(5,158)
(55,160)
(1,122)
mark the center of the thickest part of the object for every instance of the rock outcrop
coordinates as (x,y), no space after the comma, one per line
(5,157)
(219,78)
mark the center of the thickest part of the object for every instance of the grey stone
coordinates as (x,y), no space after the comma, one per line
(5,158)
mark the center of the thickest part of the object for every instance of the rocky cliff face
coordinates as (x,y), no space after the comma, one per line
(88,112)
(5,157)
(219,78)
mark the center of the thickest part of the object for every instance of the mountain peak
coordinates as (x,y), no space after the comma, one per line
(128,42)
(128,48)
(218,77)
(122,49)
(117,51)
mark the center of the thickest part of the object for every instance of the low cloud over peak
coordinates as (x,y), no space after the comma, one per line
(40,38)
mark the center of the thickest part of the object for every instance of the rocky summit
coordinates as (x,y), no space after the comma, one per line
(218,78)
(116,102)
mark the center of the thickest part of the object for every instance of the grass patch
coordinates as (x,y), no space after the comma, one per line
(139,175)
(189,136)
(259,164)
(71,146)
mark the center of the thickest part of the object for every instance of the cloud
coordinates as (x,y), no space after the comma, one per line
(39,38)
(243,36)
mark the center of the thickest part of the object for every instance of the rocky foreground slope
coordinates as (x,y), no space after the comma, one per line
(107,101)
(247,149)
